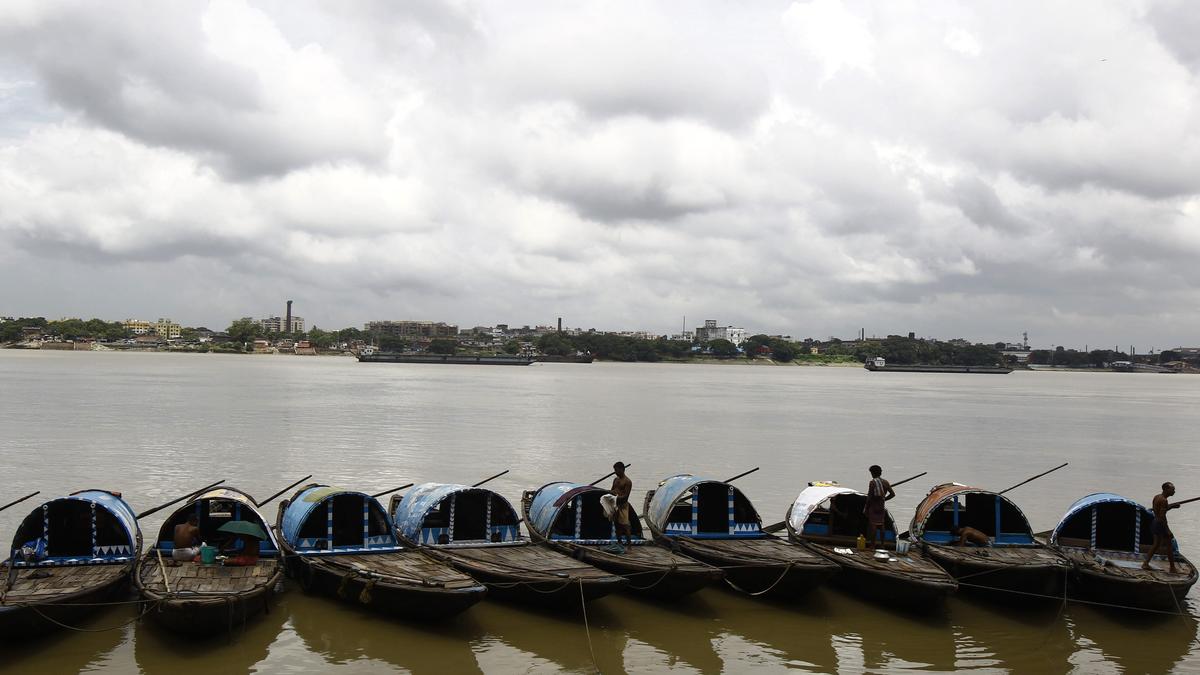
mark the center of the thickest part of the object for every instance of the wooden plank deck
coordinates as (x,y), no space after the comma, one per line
(39,583)
(197,578)
(530,561)
(1131,567)
(410,565)
(767,551)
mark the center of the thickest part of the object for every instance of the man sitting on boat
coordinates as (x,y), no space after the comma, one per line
(969,535)
(187,540)
(1162,531)
(878,492)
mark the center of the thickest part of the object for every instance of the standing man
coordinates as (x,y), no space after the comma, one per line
(1162,531)
(621,487)
(878,492)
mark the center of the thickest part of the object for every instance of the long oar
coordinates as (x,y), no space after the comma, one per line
(491,478)
(1034,478)
(610,473)
(395,489)
(18,501)
(1186,501)
(160,507)
(744,473)
(776,527)
(272,497)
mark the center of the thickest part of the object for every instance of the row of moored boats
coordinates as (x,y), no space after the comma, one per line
(440,548)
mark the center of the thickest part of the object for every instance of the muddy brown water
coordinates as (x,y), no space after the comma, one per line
(153,425)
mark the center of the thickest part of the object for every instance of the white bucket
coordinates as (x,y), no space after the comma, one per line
(902,546)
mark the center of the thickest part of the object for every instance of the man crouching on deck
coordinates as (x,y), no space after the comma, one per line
(1162,531)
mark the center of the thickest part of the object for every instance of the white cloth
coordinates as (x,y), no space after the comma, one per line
(185,554)
(609,504)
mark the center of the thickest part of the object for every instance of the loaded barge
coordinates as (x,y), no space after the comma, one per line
(878,364)
(370,356)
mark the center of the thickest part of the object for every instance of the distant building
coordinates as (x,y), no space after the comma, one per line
(411,329)
(711,331)
(279,324)
(167,329)
(139,327)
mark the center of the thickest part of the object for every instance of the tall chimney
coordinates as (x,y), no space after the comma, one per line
(287,325)
(560,324)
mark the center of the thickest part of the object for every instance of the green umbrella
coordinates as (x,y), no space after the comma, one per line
(243,527)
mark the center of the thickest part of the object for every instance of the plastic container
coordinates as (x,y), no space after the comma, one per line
(902,546)
(861,543)
(208,554)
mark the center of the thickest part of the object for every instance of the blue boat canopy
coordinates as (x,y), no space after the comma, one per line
(1106,522)
(687,505)
(215,508)
(572,512)
(952,505)
(444,514)
(335,520)
(86,528)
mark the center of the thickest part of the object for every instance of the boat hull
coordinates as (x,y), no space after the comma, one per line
(405,601)
(552,580)
(907,591)
(1098,586)
(18,622)
(1013,578)
(482,360)
(211,614)
(662,580)
(771,568)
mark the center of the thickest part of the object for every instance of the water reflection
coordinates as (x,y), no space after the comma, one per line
(70,651)
(1134,641)
(157,650)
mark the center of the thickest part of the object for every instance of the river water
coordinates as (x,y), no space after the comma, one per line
(154,425)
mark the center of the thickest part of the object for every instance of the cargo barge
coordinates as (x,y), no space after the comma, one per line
(367,356)
(878,364)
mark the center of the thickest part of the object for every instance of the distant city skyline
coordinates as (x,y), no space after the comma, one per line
(958,169)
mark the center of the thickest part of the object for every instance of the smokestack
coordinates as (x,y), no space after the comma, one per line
(560,324)
(287,326)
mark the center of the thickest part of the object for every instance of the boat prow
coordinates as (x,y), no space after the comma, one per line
(569,518)
(340,543)
(477,531)
(828,518)
(713,522)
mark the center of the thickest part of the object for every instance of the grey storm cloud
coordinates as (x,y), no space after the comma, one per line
(804,168)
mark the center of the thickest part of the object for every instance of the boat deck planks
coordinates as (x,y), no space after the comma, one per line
(767,551)
(1000,555)
(914,564)
(191,577)
(412,566)
(526,560)
(649,556)
(60,581)
(1129,566)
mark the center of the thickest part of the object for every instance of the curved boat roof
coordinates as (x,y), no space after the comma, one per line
(308,499)
(243,499)
(811,498)
(671,490)
(122,513)
(551,499)
(418,502)
(1085,504)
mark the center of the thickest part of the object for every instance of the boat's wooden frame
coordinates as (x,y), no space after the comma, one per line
(910,581)
(40,598)
(1016,568)
(651,568)
(198,599)
(754,562)
(514,568)
(1113,576)
(400,581)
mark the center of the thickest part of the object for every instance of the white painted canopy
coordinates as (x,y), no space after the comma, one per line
(811,498)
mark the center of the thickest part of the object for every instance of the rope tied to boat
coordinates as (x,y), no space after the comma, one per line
(787,568)
(586,628)
(343,590)
(77,629)
(365,596)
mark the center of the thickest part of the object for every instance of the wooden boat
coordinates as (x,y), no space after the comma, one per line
(1015,562)
(829,518)
(203,599)
(569,518)
(477,531)
(712,521)
(1106,537)
(341,543)
(66,554)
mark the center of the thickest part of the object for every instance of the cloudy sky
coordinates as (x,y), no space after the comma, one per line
(964,169)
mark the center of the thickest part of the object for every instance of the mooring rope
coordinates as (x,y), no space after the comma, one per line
(586,628)
(77,629)
(787,568)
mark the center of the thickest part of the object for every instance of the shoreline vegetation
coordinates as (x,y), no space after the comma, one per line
(245,336)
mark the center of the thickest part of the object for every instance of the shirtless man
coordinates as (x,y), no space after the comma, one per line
(878,492)
(187,539)
(1162,531)
(970,535)
(621,487)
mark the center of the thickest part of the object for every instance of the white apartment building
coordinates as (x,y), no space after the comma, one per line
(711,331)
